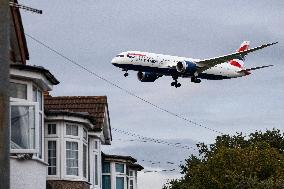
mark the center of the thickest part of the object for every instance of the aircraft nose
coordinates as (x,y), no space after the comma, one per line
(113,61)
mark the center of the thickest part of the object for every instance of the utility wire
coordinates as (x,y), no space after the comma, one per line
(159,141)
(119,87)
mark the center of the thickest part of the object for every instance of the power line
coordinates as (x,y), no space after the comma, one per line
(179,145)
(156,171)
(121,88)
(158,141)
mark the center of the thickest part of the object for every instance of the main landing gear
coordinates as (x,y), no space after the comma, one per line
(125,74)
(195,80)
(175,82)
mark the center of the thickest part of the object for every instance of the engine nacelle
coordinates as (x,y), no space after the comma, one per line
(147,76)
(186,67)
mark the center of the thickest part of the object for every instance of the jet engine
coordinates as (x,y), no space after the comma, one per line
(186,67)
(147,76)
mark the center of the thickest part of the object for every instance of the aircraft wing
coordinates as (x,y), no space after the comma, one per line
(211,62)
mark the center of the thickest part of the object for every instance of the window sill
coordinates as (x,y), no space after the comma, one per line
(33,159)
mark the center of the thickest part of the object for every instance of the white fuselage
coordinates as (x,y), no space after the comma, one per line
(166,65)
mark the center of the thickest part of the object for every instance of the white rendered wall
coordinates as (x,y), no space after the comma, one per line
(27,174)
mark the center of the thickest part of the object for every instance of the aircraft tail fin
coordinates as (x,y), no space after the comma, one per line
(244,46)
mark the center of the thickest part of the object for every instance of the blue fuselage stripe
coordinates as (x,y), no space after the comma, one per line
(167,71)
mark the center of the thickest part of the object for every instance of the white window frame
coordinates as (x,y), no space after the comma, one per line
(124,168)
(58,156)
(36,149)
(72,136)
(56,167)
(124,180)
(79,159)
(29,91)
(85,139)
(87,159)
(56,132)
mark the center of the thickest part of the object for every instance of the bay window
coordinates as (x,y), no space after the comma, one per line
(26,111)
(24,127)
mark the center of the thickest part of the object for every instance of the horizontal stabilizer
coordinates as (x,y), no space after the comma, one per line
(208,63)
(255,68)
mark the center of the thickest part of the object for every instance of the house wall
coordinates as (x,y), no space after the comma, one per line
(29,174)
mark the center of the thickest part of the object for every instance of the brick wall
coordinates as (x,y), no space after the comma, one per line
(63,184)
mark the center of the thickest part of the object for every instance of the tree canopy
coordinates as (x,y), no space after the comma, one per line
(241,162)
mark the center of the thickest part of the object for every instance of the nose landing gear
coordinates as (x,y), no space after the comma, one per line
(125,74)
(175,83)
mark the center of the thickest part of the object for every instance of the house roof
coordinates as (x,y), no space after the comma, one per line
(67,113)
(38,69)
(118,157)
(96,106)
(132,161)
(17,29)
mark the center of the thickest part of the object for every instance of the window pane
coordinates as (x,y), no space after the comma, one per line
(18,90)
(51,129)
(34,94)
(51,157)
(119,168)
(106,182)
(40,135)
(106,167)
(96,145)
(85,134)
(39,98)
(71,130)
(22,127)
(96,170)
(85,161)
(131,184)
(72,158)
(119,182)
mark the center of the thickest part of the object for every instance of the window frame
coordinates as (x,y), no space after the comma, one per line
(56,156)
(84,161)
(124,180)
(71,135)
(48,129)
(65,159)
(36,149)
(124,170)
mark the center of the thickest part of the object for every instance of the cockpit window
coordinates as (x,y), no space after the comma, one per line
(120,55)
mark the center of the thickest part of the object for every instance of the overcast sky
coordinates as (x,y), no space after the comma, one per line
(93,32)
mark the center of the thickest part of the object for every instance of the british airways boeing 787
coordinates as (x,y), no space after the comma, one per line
(151,66)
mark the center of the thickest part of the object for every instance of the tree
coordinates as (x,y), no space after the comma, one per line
(239,162)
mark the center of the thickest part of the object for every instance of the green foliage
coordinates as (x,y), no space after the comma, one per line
(236,162)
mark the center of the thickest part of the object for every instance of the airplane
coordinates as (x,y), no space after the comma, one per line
(151,66)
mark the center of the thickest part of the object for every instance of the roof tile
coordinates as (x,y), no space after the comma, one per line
(94,105)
